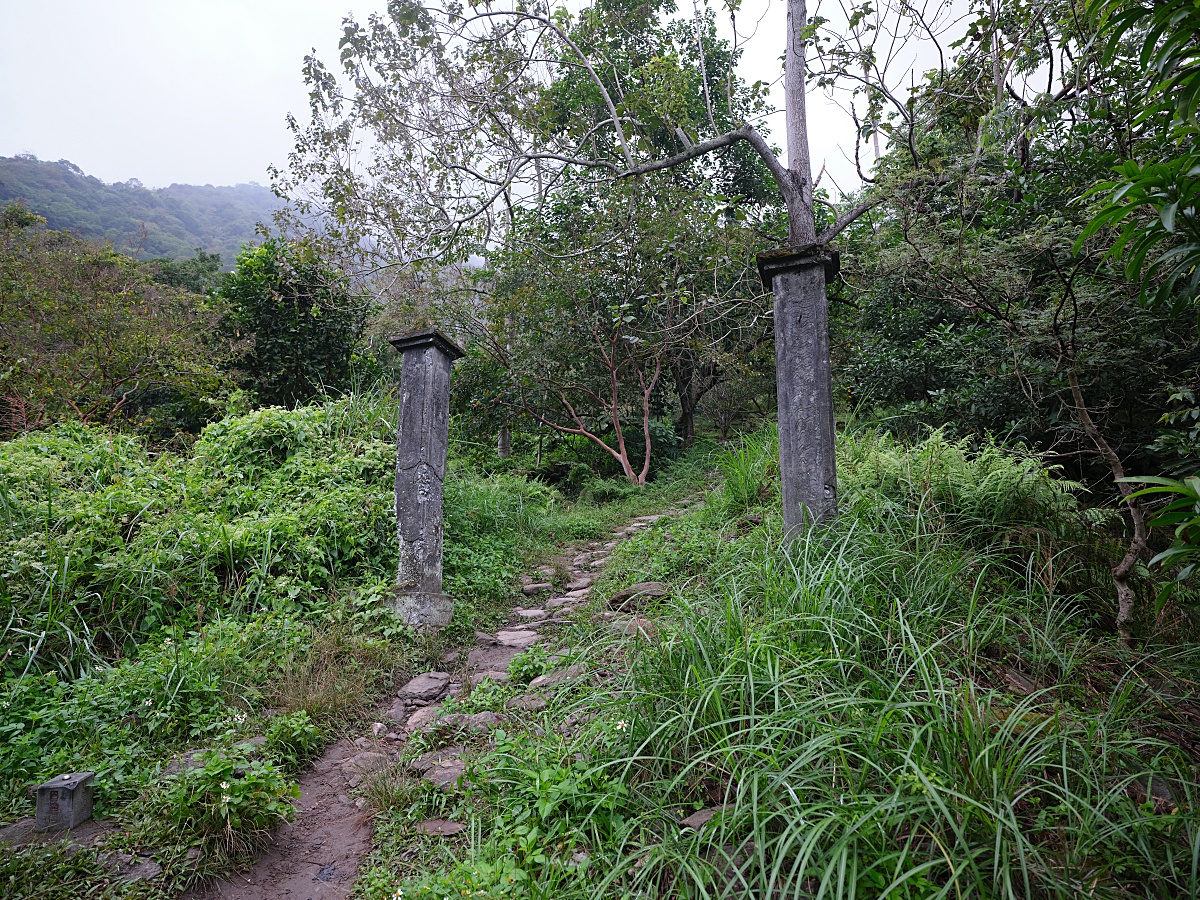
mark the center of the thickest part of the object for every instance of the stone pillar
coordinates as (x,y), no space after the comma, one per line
(808,469)
(504,443)
(422,436)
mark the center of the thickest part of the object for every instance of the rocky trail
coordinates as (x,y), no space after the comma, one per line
(316,856)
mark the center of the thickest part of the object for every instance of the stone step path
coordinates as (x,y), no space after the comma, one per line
(315,857)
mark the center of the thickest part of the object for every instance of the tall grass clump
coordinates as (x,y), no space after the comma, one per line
(906,704)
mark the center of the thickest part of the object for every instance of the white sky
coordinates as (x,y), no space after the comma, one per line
(197,93)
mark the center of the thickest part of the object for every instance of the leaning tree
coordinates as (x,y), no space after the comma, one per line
(447,118)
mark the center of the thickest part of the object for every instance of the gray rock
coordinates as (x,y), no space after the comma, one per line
(185,762)
(364,764)
(422,718)
(519,639)
(428,686)
(491,659)
(483,722)
(398,712)
(581,582)
(527,702)
(446,774)
(701,817)
(530,613)
(560,601)
(440,828)
(556,677)
(478,678)
(642,628)
(129,868)
(530,589)
(427,761)
(637,594)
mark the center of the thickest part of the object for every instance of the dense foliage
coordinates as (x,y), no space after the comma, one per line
(87,334)
(162,222)
(300,318)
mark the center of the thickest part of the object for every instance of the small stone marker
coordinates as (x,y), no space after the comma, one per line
(422,436)
(64,801)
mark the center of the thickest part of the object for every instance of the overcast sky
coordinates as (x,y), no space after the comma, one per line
(197,93)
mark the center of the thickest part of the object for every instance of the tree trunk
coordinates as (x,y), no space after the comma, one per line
(687,420)
(1122,571)
(685,391)
(504,442)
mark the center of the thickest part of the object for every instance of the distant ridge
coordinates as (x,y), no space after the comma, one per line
(164,222)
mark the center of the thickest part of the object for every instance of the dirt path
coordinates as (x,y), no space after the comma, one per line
(315,857)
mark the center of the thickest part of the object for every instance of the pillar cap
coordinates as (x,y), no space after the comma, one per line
(68,782)
(427,337)
(790,259)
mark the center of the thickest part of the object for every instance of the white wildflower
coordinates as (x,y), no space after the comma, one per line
(622,725)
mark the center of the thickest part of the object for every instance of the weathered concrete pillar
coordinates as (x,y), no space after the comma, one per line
(504,443)
(808,469)
(422,436)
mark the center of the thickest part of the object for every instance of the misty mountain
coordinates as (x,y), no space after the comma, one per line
(147,223)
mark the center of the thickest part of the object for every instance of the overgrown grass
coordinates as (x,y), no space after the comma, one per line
(154,603)
(916,702)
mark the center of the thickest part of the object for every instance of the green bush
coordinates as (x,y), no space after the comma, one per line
(230,801)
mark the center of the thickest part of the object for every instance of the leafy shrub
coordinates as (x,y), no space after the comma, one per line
(529,664)
(229,801)
(293,740)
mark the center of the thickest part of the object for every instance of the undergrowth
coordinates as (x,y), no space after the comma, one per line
(154,605)
(919,701)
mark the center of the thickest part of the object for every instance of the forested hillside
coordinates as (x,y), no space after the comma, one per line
(149,223)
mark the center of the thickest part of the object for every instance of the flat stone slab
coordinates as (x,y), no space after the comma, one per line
(701,817)
(637,593)
(491,659)
(581,582)
(557,676)
(527,702)
(440,828)
(519,639)
(529,613)
(478,678)
(446,774)
(427,715)
(428,686)
(530,589)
